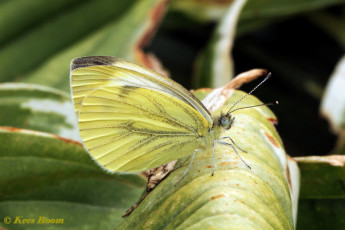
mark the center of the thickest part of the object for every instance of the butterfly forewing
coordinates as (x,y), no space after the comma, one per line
(125,73)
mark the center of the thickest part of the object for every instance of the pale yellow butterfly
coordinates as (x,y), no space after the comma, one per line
(133,119)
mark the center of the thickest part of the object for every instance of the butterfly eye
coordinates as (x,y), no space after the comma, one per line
(226,121)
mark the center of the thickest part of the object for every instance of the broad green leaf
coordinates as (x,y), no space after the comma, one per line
(15,18)
(236,197)
(103,27)
(322,199)
(333,104)
(278,8)
(36,45)
(321,214)
(214,67)
(214,10)
(201,10)
(48,176)
(38,108)
(322,177)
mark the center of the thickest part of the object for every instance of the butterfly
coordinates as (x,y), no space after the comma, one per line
(132,119)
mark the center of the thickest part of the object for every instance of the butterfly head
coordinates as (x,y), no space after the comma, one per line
(224,121)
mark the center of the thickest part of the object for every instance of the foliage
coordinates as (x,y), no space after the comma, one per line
(45,171)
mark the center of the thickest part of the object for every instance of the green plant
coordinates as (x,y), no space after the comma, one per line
(45,171)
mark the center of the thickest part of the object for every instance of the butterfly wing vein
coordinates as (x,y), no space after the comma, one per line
(130,122)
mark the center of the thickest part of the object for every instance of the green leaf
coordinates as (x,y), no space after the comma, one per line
(273,8)
(204,11)
(214,67)
(322,197)
(321,214)
(45,175)
(15,14)
(235,197)
(201,10)
(38,108)
(104,27)
(322,177)
(333,104)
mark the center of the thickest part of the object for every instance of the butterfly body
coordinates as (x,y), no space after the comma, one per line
(133,119)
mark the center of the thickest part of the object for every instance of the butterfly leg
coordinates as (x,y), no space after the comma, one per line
(179,166)
(189,166)
(234,143)
(225,143)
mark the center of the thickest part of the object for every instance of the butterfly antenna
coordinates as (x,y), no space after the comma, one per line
(266,78)
(252,106)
